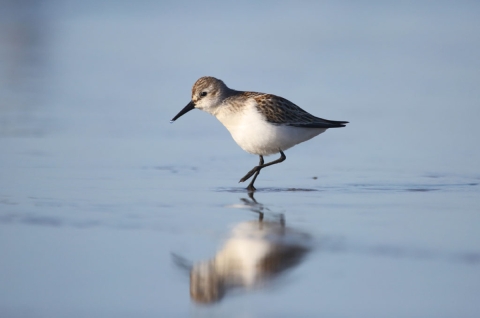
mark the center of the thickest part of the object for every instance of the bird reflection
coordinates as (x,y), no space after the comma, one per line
(255,253)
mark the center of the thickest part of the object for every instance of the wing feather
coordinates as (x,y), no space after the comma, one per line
(280,111)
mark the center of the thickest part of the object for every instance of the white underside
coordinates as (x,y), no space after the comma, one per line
(255,135)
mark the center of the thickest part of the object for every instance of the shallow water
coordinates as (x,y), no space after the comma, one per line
(106,208)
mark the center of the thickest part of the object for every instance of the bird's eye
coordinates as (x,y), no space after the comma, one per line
(203,94)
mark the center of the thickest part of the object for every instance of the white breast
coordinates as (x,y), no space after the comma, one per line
(255,135)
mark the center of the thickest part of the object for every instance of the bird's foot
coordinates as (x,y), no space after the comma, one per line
(249,174)
(251,189)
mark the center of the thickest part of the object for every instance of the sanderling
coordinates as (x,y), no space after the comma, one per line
(261,124)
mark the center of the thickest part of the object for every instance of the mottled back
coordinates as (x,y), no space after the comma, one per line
(280,111)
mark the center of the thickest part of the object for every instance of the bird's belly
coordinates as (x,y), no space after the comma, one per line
(270,139)
(257,136)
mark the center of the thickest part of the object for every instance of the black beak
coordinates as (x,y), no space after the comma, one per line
(185,110)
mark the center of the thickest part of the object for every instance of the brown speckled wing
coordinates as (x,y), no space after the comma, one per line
(280,111)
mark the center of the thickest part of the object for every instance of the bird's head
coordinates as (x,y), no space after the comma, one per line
(207,94)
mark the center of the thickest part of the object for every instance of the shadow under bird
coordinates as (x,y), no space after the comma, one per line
(261,124)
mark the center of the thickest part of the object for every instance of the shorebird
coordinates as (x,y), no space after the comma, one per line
(261,124)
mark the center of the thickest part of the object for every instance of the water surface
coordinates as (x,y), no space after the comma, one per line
(105,207)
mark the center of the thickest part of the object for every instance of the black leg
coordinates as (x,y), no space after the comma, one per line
(256,170)
(250,187)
